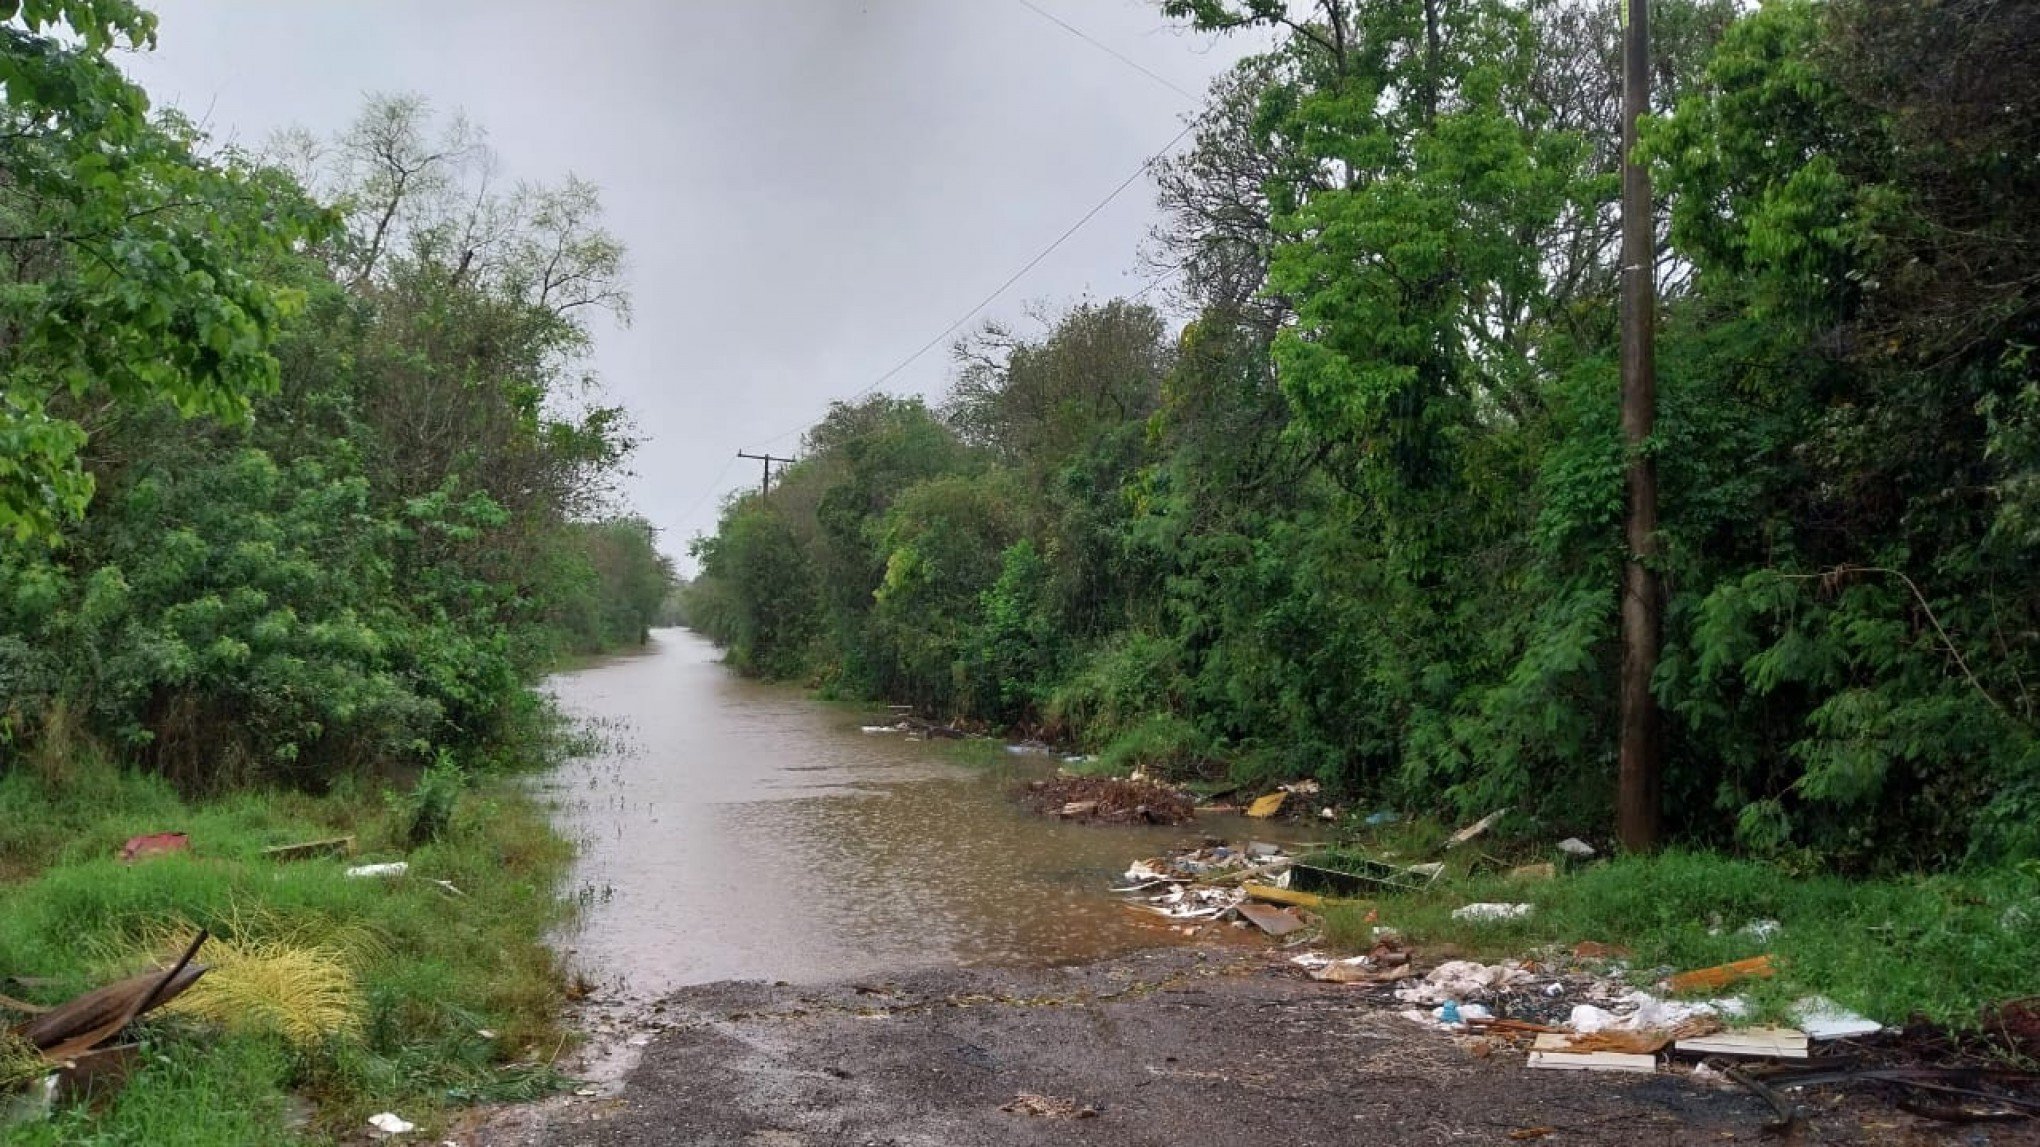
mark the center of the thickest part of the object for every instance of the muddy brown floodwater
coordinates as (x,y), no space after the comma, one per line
(733,830)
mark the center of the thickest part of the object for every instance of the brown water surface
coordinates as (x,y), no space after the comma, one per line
(733,830)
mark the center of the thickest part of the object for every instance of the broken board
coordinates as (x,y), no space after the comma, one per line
(1594,1061)
(1273,921)
(1776,1043)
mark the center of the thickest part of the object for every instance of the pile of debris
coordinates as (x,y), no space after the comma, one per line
(1107,800)
(1579,1012)
(1250,884)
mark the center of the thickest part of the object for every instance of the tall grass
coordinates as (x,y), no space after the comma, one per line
(448,995)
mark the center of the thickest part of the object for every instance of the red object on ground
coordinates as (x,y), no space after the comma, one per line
(154,844)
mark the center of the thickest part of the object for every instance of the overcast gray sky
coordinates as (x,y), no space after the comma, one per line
(809,189)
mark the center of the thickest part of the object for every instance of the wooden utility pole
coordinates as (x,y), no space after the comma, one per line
(1640,791)
(765,486)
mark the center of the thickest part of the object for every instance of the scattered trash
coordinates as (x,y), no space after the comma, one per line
(1545,871)
(1462,980)
(1306,788)
(1760,930)
(1595,950)
(1771,1042)
(1476,828)
(1267,806)
(393,868)
(1722,975)
(1048,1107)
(1493,911)
(1328,813)
(1378,819)
(154,844)
(1575,847)
(390,1123)
(1107,800)
(306,850)
(1822,1019)
(1273,921)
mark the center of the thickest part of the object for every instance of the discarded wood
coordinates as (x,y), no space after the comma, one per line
(306,850)
(1506,1025)
(1476,828)
(1722,975)
(1789,1113)
(1273,921)
(87,1021)
(1626,1042)
(1775,1043)
(1289,896)
(1545,871)
(1594,1061)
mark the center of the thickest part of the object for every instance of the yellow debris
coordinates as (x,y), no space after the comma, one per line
(1267,806)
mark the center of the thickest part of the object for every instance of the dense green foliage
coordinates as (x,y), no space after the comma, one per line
(300,492)
(1358,518)
(396,513)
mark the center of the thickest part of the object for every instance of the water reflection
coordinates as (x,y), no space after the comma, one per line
(738,831)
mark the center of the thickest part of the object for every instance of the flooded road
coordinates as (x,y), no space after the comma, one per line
(733,830)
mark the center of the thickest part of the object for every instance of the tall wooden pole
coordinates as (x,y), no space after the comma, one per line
(765,482)
(1640,792)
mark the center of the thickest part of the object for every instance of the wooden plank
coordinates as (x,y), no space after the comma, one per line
(1722,975)
(1273,921)
(1594,1061)
(1289,896)
(1776,1043)
(332,846)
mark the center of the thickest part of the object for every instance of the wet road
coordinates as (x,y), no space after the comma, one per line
(733,830)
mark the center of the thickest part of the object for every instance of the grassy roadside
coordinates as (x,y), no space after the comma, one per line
(1942,947)
(435,997)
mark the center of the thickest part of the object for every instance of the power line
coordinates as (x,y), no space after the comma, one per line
(1080,34)
(1015,277)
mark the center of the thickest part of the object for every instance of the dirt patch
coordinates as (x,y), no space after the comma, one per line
(1107,800)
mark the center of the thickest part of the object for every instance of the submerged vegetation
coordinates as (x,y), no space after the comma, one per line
(1358,519)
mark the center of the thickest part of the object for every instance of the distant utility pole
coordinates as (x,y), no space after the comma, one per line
(765,486)
(1640,789)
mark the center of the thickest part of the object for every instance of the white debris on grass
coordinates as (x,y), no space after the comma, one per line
(1574,846)
(393,868)
(1646,1012)
(1822,1018)
(390,1123)
(1493,911)
(1459,979)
